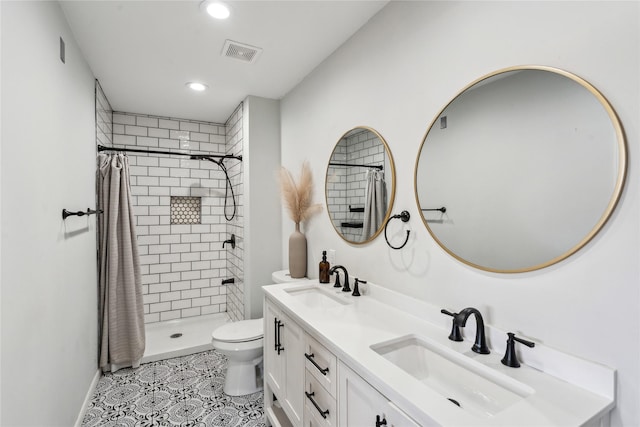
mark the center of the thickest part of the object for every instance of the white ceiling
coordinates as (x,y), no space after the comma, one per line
(143,52)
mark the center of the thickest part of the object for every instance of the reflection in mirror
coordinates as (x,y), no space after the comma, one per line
(529,163)
(360,185)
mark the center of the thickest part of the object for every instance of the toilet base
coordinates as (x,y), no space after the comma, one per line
(243,377)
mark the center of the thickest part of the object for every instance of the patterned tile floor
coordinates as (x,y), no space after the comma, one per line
(184,391)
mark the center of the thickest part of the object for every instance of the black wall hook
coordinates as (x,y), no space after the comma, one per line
(404,217)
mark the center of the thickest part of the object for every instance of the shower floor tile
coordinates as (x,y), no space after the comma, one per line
(183,391)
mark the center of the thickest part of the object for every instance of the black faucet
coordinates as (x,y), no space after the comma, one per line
(455,334)
(346,287)
(232,241)
(460,320)
(337,283)
(510,359)
(356,290)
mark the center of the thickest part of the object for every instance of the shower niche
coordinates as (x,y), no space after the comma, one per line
(186,210)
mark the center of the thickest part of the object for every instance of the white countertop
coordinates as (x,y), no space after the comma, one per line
(567,390)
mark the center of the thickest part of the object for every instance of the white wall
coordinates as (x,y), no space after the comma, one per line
(395,75)
(49,298)
(235,257)
(262,197)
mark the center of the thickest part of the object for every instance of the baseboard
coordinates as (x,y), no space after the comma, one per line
(87,399)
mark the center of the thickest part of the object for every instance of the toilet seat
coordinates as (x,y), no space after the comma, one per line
(239,332)
(236,347)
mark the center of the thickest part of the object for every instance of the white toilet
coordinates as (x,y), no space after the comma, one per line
(242,343)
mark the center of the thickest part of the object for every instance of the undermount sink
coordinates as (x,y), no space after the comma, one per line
(317,297)
(467,383)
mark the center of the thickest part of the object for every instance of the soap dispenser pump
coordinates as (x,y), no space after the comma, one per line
(324,269)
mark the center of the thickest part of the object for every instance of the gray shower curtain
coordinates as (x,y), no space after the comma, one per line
(122,338)
(375,206)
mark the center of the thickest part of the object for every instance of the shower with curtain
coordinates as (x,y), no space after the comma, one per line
(184,185)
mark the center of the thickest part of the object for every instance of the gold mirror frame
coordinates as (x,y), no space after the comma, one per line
(617,189)
(390,193)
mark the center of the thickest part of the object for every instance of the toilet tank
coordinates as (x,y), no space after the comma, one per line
(283,276)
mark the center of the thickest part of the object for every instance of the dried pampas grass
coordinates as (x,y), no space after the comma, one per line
(297,198)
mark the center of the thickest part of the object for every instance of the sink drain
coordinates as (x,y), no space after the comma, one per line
(177,335)
(454,401)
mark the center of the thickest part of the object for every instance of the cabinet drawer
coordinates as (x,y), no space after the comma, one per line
(312,418)
(319,404)
(321,363)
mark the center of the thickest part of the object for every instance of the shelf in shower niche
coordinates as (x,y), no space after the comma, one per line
(186,210)
(352,224)
(354,209)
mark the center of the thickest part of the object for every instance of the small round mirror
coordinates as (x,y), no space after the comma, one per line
(360,185)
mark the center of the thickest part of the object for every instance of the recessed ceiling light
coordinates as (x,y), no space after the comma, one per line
(199,87)
(217,9)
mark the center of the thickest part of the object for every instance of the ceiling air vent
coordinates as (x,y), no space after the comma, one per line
(241,51)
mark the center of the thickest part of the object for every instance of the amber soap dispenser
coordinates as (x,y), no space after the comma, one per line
(324,269)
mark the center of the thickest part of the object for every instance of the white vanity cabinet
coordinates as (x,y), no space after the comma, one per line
(284,366)
(362,405)
(332,360)
(307,385)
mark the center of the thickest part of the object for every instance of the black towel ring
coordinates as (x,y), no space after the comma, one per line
(404,216)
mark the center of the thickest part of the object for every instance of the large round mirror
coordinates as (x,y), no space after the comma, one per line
(528,164)
(360,185)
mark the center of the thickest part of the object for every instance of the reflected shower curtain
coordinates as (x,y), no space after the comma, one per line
(122,337)
(375,206)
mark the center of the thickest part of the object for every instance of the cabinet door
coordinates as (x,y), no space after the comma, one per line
(361,405)
(292,339)
(273,363)
(395,417)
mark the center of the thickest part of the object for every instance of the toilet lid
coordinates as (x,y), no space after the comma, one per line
(243,330)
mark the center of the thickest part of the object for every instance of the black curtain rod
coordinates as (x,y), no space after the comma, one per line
(191,156)
(379,167)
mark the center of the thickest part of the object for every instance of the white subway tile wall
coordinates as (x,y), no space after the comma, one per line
(182,265)
(235,257)
(347,186)
(337,186)
(104,123)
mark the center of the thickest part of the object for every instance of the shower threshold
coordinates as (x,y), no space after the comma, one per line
(195,336)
